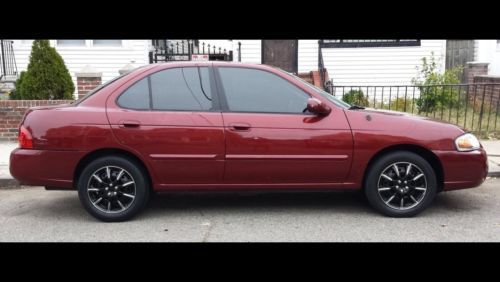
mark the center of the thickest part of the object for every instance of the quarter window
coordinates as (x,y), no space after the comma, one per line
(136,96)
(185,89)
(250,90)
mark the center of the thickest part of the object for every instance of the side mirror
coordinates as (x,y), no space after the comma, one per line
(317,107)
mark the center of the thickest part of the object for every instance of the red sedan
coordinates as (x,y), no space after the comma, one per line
(220,126)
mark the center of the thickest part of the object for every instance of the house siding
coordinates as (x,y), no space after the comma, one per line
(360,66)
(107,60)
(251,51)
(488,51)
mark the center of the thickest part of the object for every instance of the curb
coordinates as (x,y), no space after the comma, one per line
(494,174)
(8,182)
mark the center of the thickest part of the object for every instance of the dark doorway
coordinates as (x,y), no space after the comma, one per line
(281,53)
(458,53)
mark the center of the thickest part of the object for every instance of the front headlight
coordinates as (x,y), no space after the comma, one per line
(467,142)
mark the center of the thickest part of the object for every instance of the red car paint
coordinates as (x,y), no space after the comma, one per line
(229,150)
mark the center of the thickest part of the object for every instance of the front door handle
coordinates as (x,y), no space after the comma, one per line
(240,126)
(130,123)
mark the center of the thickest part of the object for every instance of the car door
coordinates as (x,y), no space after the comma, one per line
(271,138)
(172,119)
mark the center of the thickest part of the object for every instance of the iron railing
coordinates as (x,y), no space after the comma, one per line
(475,107)
(183,50)
(8,65)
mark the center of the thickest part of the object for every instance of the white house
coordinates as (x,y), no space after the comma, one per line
(349,62)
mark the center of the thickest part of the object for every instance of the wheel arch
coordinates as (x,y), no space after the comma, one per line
(425,153)
(107,152)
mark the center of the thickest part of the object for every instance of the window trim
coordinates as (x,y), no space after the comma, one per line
(341,44)
(215,97)
(223,97)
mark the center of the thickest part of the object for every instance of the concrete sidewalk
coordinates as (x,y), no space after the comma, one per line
(491,147)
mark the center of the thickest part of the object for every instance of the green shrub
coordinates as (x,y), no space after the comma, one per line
(47,77)
(355,97)
(434,97)
(400,105)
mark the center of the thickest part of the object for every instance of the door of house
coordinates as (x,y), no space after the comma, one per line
(281,53)
(458,53)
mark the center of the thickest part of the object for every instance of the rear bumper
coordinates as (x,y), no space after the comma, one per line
(44,167)
(463,169)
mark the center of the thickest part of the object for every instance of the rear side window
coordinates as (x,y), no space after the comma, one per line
(136,96)
(184,89)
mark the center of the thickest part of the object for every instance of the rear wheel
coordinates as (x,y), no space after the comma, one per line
(113,188)
(400,184)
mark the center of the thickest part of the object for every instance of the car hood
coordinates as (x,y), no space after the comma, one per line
(386,120)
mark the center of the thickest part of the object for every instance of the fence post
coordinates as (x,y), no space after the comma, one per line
(3,58)
(239,51)
(482,108)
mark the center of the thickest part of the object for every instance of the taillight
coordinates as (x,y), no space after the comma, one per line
(25,139)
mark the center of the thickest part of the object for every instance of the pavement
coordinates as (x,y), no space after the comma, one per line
(31,214)
(491,147)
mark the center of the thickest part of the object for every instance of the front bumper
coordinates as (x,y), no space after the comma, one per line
(44,167)
(463,169)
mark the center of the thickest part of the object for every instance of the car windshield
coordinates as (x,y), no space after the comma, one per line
(320,91)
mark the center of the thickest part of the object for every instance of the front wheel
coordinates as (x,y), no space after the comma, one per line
(113,188)
(400,184)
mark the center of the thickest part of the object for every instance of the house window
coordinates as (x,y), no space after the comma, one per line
(117,43)
(71,42)
(355,43)
(27,42)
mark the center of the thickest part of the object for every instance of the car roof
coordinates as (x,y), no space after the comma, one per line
(208,63)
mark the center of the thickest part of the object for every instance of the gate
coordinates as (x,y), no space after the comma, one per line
(187,50)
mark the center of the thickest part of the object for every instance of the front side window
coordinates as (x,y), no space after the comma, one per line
(251,90)
(184,89)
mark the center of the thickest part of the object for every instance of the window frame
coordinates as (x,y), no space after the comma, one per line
(215,97)
(223,96)
(397,43)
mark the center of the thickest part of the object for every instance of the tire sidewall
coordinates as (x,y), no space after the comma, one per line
(371,183)
(141,182)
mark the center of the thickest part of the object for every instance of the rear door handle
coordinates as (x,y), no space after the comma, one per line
(240,126)
(130,123)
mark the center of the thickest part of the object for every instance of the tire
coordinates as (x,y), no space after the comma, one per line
(117,198)
(405,195)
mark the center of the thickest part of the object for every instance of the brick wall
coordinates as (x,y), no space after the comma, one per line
(489,87)
(473,69)
(12,112)
(313,77)
(86,84)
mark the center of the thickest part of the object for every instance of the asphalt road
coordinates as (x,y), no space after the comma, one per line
(33,214)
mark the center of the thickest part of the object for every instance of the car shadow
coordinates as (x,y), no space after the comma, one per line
(350,202)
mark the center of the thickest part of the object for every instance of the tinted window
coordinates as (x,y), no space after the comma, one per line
(136,96)
(181,89)
(250,90)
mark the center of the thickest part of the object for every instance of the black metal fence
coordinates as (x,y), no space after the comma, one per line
(187,50)
(7,60)
(472,106)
